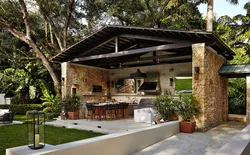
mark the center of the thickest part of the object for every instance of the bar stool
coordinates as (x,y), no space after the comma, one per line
(113,111)
(91,110)
(119,110)
(107,111)
(124,108)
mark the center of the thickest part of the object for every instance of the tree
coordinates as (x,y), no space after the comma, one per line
(210,5)
(235,32)
(25,24)
(28,83)
(145,13)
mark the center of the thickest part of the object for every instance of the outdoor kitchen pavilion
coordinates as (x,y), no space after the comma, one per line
(93,61)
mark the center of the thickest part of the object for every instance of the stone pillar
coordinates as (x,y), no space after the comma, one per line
(64,78)
(248,99)
(208,86)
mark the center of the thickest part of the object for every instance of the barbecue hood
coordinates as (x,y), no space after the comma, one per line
(151,83)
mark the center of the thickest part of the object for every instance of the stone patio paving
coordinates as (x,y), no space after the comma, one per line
(111,126)
(14,122)
(195,144)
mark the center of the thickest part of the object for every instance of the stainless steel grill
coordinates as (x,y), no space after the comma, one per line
(145,103)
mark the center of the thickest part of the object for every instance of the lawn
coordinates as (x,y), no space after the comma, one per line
(183,84)
(21,118)
(16,135)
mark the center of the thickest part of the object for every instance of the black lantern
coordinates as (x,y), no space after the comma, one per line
(36,129)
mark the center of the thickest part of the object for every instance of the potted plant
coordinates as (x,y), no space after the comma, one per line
(187,109)
(165,106)
(71,106)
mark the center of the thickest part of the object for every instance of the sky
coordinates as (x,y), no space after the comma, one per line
(223,7)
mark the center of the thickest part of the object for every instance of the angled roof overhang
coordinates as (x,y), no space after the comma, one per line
(235,70)
(116,46)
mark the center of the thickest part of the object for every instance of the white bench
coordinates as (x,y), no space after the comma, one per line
(144,115)
(3,111)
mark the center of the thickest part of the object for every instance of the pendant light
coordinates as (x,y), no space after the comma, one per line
(138,75)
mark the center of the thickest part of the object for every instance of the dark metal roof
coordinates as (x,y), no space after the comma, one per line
(98,47)
(238,70)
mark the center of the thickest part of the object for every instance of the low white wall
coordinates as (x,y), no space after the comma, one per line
(113,144)
(8,100)
(2,99)
(237,144)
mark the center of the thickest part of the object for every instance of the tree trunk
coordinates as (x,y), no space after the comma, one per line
(47,65)
(209,26)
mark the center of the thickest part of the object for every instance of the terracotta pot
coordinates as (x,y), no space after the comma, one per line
(73,115)
(187,127)
(158,121)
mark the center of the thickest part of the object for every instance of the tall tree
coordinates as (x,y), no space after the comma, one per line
(55,17)
(146,13)
(210,12)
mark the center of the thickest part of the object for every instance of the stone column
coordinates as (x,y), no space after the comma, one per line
(248,99)
(64,79)
(208,86)
(198,82)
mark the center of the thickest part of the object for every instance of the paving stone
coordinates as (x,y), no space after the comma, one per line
(198,143)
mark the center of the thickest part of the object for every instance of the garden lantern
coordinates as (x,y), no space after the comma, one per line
(36,129)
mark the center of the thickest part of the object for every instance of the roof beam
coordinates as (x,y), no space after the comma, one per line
(150,37)
(95,47)
(101,64)
(182,60)
(134,51)
(116,44)
(162,60)
(160,63)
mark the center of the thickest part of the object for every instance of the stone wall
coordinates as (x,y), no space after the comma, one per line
(209,87)
(248,99)
(83,78)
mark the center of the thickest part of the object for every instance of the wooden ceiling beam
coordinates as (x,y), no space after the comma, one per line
(138,59)
(134,51)
(153,37)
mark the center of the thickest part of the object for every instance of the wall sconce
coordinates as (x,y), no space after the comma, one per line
(171,81)
(171,70)
(196,69)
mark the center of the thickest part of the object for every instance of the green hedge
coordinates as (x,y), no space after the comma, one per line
(22,108)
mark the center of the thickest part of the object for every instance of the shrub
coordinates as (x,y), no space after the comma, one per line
(165,106)
(188,107)
(51,103)
(237,96)
(21,108)
(71,103)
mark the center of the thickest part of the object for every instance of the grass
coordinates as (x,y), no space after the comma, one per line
(16,135)
(21,118)
(183,84)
